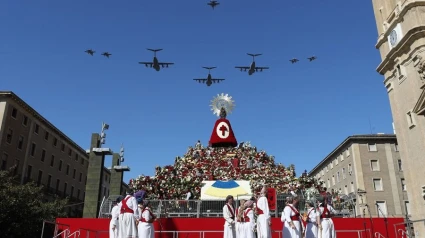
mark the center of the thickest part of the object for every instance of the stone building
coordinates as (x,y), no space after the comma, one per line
(401,43)
(42,153)
(369,169)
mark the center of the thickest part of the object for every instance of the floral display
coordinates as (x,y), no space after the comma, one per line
(206,163)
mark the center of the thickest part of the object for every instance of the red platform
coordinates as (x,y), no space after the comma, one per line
(346,227)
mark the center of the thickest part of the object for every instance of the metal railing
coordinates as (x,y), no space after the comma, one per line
(407,231)
(379,235)
(359,232)
(54,231)
(91,232)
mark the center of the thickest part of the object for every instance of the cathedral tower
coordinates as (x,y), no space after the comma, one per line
(401,42)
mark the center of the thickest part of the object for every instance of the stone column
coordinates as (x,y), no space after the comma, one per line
(115,188)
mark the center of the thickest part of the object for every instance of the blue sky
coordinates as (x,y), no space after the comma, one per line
(299,112)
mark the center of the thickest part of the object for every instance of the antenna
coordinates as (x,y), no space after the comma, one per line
(370,126)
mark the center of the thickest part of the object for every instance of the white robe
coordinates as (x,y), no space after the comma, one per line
(127,221)
(312,227)
(287,231)
(263,227)
(229,224)
(115,212)
(239,226)
(249,226)
(146,230)
(328,228)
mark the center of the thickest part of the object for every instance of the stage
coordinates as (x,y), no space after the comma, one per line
(213,227)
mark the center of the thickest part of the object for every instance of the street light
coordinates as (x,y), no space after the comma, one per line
(122,153)
(103,134)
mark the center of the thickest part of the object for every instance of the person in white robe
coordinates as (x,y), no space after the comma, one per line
(263,218)
(145,227)
(128,217)
(239,219)
(312,220)
(113,224)
(229,217)
(326,211)
(292,227)
(249,222)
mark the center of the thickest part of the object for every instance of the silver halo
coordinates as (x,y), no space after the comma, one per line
(222,100)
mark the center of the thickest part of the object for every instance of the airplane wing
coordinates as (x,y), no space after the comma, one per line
(261,68)
(164,64)
(217,80)
(146,63)
(200,80)
(242,67)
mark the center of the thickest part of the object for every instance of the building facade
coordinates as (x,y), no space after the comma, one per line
(401,43)
(369,169)
(42,153)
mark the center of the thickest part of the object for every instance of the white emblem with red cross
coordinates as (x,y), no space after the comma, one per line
(222,130)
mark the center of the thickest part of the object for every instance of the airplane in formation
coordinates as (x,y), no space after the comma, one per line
(90,52)
(312,58)
(106,54)
(294,60)
(156,64)
(209,80)
(213,4)
(252,68)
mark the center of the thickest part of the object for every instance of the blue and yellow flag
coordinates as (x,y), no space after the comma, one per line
(224,188)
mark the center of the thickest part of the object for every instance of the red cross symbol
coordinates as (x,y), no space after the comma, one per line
(223,130)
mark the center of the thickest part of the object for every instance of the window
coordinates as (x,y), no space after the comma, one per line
(372,147)
(403,185)
(352,187)
(81,177)
(381,208)
(57,184)
(36,129)
(400,167)
(63,147)
(29,172)
(347,153)
(396,147)
(25,121)
(338,179)
(14,113)
(350,169)
(43,155)
(377,184)
(345,189)
(410,119)
(323,172)
(67,169)
(82,161)
(342,157)
(72,191)
(333,180)
(344,175)
(374,165)
(336,161)
(4,161)
(69,152)
(64,189)
(78,194)
(49,181)
(52,160)
(55,142)
(20,142)
(399,73)
(73,174)
(332,165)
(76,157)
(40,177)
(407,207)
(46,135)
(60,165)
(9,136)
(33,147)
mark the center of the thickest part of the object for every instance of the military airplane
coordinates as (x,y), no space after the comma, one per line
(90,52)
(209,80)
(106,54)
(312,58)
(294,60)
(252,68)
(213,4)
(156,64)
